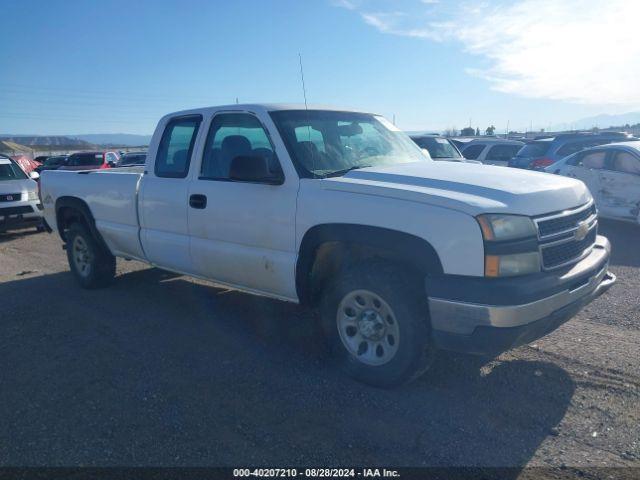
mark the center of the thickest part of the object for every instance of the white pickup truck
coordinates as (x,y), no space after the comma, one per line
(340,210)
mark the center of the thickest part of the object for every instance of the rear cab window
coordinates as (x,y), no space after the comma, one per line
(176,147)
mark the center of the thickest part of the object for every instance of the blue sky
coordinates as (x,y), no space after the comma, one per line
(74,67)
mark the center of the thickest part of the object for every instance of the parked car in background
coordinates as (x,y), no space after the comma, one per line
(25,162)
(90,161)
(439,148)
(53,163)
(131,159)
(492,151)
(41,158)
(19,202)
(461,142)
(540,153)
(612,173)
(402,255)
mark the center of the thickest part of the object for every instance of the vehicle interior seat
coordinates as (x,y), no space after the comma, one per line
(274,166)
(232,146)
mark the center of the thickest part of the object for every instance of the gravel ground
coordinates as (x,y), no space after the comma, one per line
(164,370)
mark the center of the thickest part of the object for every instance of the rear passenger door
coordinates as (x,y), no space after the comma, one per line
(620,185)
(164,196)
(243,233)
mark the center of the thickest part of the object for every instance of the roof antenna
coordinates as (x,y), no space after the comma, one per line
(306,108)
(304,90)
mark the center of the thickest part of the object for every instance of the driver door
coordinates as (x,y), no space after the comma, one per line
(242,233)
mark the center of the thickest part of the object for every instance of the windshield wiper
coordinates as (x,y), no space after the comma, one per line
(339,173)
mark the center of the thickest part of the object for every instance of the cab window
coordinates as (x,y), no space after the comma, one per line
(233,135)
(176,147)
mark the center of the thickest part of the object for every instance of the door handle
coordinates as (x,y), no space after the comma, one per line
(198,201)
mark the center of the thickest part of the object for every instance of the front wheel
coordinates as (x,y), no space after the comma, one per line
(375,318)
(92,265)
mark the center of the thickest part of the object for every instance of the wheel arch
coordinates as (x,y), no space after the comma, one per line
(75,210)
(327,248)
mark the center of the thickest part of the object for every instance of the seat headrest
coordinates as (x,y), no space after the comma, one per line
(236,143)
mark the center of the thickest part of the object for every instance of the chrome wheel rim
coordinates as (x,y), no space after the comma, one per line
(368,327)
(82,256)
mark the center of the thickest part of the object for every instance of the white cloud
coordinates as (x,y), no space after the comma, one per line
(582,51)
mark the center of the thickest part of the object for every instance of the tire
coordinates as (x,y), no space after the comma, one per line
(92,265)
(390,317)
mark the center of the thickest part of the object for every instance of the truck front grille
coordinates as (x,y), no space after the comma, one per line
(564,222)
(11,197)
(556,255)
(568,236)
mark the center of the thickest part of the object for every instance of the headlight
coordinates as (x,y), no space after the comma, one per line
(32,196)
(509,265)
(499,227)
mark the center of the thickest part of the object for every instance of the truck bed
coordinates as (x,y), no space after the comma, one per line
(112,197)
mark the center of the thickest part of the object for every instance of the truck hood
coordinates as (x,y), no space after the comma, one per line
(467,187)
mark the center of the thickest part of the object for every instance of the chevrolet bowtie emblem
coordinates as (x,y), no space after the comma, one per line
(582,231)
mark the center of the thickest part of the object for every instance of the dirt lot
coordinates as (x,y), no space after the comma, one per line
(164,370)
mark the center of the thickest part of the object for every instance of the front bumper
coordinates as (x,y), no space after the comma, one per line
(20,214)
(520,311)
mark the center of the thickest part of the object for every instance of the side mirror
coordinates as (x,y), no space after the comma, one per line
(33,175)
(247,168)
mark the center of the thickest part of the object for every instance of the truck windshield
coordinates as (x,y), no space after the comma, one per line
(325,143)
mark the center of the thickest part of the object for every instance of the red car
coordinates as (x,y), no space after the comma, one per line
(91,161)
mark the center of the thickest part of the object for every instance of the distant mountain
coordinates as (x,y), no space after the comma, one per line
(601,121)
(49,141)
(117,139)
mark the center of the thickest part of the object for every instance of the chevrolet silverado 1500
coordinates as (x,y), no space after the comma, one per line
(342,211)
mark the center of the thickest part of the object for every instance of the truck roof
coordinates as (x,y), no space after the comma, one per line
(262,107)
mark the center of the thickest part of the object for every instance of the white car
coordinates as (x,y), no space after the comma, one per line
(340,210)
(19,202)
(492,151)
(612,173)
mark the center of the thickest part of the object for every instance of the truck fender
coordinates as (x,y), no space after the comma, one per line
(73,209)
(397,246)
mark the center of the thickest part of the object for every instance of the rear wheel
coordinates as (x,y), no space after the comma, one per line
(375,318)
(92,265)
